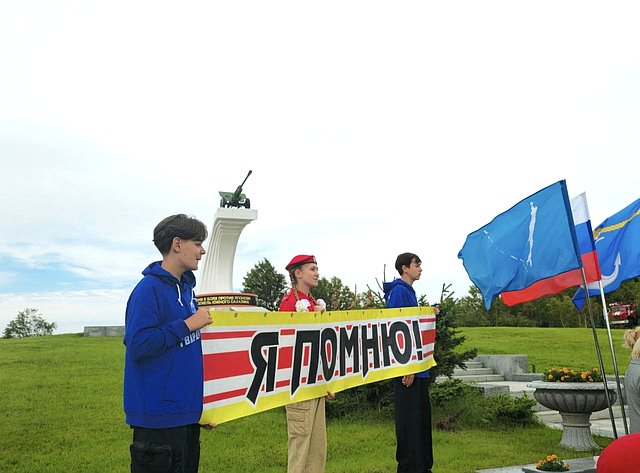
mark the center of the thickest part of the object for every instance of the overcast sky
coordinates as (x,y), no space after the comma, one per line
(372,128)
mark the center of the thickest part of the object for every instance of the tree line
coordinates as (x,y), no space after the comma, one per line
(468,311)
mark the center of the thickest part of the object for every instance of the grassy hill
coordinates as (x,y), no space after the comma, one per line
(550,347)
(61,399)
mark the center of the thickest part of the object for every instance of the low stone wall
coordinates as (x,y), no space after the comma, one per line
(104,331)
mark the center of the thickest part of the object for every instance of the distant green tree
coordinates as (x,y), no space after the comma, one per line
(555,310)
(629,292)
(335,294)
(561,310)
(28,323)
(448,338)
(470,309)
(551,311)
(267,283)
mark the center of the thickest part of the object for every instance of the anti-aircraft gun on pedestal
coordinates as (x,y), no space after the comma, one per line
(237,198)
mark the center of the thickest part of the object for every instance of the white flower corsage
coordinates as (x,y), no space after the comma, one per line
(302,305)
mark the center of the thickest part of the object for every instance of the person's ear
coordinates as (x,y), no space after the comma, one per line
(175,244)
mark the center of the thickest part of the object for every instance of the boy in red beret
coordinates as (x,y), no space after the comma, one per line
(306,424)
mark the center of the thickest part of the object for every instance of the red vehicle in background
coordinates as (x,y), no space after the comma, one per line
(622,314)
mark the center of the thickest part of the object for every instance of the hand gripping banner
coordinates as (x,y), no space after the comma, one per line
(256,361)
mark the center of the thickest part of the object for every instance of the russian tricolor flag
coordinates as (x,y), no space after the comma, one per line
(562,281)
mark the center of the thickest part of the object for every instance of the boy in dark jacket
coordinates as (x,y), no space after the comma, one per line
(414,451)
(163,373)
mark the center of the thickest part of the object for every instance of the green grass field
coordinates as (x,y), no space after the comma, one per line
(550,347)
(62,412)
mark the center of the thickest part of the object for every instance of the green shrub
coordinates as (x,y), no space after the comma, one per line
(443,393)
(370,399)
(457,405)
(454,405)
(510,410)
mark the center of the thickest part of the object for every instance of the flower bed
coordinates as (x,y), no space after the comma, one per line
(565,375)
(552,463)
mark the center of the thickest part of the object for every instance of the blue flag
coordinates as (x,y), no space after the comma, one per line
(533,240)
(618,247)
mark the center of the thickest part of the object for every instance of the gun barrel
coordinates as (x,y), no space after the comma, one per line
(236,194)
(245,179)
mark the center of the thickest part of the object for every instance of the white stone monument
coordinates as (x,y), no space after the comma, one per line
(217,271)
(215,286)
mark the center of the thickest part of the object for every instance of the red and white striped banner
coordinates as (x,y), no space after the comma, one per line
(255,361)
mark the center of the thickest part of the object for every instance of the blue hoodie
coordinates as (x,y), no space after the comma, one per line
(163,374)
(398,294)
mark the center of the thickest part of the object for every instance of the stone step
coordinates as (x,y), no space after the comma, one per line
(514,388)
(471,371)
(481,378)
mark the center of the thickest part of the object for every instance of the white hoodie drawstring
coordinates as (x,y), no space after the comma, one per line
(179,295)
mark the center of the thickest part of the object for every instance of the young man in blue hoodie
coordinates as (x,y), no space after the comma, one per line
(414,451)
(163,374)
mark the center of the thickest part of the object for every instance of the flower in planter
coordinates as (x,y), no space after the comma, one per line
(565,375)
(552,463)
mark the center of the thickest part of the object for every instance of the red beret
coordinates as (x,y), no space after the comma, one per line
(621,456)
(300,259)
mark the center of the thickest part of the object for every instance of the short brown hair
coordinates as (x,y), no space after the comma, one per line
(181,226)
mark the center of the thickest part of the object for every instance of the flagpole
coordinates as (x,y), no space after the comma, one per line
(595,338)
(613,355)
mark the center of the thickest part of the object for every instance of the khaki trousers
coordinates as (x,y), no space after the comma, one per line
(306,426)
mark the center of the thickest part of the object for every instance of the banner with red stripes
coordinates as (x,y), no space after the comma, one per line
(255,361)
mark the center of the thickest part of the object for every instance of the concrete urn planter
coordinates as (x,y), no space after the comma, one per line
(575,402)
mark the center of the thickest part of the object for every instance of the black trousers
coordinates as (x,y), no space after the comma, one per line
(414,451)
(174,450)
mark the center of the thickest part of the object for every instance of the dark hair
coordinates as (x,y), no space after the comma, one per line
(405,259)
(181,226)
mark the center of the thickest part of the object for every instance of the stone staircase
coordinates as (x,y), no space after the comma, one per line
(498,374)
(476,372)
